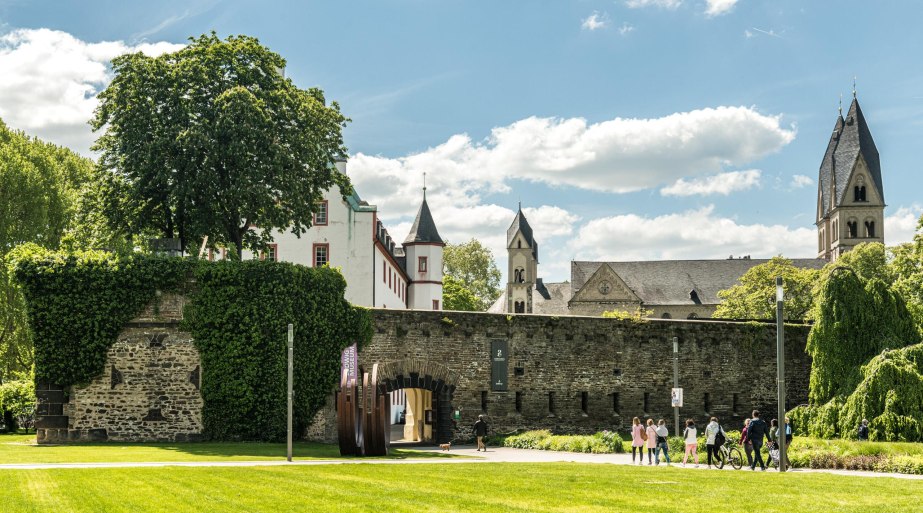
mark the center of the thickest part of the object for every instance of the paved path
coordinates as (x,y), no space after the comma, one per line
(493,454)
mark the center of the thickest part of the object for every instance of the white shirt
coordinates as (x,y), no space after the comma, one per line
(691,435)
(662,431)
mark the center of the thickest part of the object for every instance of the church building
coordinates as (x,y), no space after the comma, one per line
(850,210)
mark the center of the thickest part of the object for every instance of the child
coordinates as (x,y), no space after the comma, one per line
(692,443)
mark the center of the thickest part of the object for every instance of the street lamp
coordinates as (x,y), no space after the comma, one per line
(676,383)
(780,378)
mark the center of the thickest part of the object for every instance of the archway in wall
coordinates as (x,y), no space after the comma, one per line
(423,390)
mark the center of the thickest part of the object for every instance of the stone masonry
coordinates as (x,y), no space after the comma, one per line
(567,374)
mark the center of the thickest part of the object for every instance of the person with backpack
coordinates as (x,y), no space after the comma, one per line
(690,435)
(638,437)
(864,431)
(662,442)
(756,432)
(714,439)
(651,437)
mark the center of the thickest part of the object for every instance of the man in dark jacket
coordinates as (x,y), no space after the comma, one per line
(480,431)
(756,431)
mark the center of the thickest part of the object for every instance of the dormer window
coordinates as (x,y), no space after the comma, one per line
(694,296)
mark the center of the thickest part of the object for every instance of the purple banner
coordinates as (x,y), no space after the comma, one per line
(350,361)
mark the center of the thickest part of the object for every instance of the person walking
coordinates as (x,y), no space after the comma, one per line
(748,446)
(651,433)
(864,431)
(662,442)
(756,432)
(690,435)
(711,440)
(480,430)
(637,440)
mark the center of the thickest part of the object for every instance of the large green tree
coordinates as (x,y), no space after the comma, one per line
(455,296)
(754,297)
(213,140)
(41,187)
(472,265)
(906,266)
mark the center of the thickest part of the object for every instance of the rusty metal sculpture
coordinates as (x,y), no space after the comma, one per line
(363,416)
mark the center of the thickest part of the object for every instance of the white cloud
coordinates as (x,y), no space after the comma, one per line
(799,181)
(902,224)
(596,21)
(626,29)
(687,235)
(49,80)
(724,183)
(718,7)
(663,4)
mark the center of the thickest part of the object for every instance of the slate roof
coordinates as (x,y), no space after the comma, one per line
(854,139)
(423,229)
(670,282)
(520,223)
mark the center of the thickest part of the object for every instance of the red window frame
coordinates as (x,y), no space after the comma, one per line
(272,251)
(435,304)
(384,272)
(314,249)
(421,264)
(325,206)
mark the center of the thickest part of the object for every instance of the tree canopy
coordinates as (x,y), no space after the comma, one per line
(754,297)
(41,191)
(472,265)
(214,140)
(455,296)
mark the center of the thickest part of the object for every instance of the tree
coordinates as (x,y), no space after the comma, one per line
(455,296)
(869,261)
(754,297)
(40,187)
(214,140)
(907,270)
(473,266)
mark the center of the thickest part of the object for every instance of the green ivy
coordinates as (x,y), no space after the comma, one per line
(237,312)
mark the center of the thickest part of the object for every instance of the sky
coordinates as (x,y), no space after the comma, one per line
(627,129)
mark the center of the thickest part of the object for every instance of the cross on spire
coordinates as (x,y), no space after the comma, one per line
(424,185)
(854,87)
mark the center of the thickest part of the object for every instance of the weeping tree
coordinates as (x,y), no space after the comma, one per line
(854,321)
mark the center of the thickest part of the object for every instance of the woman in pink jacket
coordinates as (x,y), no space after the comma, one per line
(651,440)
(637,442)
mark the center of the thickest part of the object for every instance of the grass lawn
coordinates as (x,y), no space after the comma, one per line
(22,449)
(551,487)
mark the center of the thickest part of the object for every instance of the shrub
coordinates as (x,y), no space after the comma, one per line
(604,442)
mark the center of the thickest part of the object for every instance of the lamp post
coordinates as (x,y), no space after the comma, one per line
(780,378)
(291,393)
(676,383)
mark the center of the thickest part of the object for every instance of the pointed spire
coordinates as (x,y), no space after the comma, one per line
(424,228)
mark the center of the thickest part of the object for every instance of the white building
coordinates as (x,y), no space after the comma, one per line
(379,273)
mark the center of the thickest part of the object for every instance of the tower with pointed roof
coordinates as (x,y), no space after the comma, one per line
(522,251)
(850,195)
(423,249)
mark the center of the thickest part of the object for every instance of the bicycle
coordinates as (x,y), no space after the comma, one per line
(729,453)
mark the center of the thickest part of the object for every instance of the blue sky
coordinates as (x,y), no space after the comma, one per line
(635,129)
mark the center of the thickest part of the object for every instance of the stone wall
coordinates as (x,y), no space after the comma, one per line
(149,390)
(567,374)
(585,374)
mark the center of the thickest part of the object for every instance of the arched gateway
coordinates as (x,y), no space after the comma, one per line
(363,405)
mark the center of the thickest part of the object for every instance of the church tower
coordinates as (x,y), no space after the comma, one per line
(423,252)
(850,196)
(523,265)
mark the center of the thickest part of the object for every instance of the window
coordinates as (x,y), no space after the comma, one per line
(615,402)
(483,401)
(666,315)
(320,217)
(271,253)
(707,403)
(384,272)
(421,265)
(870,229)
(435,304)
(693,315)
(735,403)
(321,255)
(836,231)
(551,403)
(647,401)
(859,193)
(852,228)
(518,402)
(389,277)
(585,402)
(519,307)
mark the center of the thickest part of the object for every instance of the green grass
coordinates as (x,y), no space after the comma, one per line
(22,449)
(538,487)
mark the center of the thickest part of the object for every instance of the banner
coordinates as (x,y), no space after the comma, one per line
(350,362)
(676,397)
